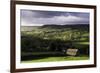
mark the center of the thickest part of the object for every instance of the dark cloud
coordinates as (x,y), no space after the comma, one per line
(53,17)
(43,14)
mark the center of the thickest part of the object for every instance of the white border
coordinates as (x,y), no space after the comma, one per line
(52,64)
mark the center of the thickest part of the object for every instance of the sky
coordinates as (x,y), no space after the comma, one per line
(39,18)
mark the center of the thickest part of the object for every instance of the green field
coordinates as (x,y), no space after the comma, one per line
(46,43)
(64,58)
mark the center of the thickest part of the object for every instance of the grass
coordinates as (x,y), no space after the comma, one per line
(64,58)
(83,43)
(35,39)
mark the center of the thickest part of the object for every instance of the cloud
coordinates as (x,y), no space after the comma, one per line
(33,18)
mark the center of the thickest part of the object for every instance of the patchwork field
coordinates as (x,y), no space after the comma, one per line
(51,42)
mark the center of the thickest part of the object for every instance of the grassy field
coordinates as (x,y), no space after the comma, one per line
(46,43)
(64,58)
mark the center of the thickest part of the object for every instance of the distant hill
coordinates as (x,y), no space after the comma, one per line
(66,26)
(52,26)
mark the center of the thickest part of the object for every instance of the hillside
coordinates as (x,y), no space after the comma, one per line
(75,26)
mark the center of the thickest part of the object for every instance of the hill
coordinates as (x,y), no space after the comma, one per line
(53,26)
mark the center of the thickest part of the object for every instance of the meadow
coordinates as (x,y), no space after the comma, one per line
(50,42)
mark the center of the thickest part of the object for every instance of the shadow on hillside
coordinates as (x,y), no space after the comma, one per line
(35,44)
(37,57)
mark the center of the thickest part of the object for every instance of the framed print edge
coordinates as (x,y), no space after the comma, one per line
(13,36)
